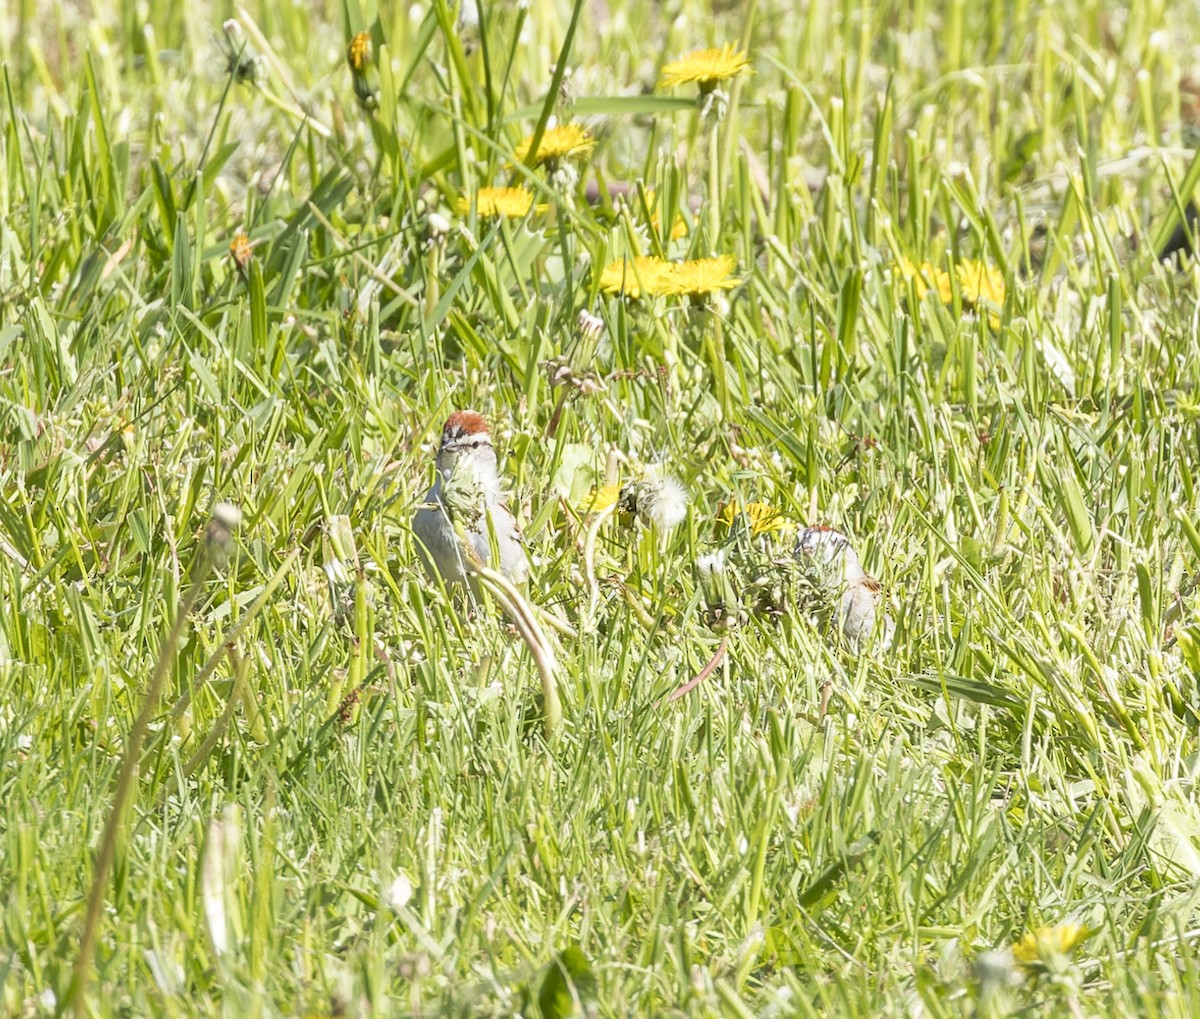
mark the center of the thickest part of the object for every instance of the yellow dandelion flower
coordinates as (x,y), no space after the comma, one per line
(602,498)
(1045,944)
(507,202)
(643,275)
(566,141)
(699,276)
(927,277)
(759,516)
(706,68)
(359,52)
(979,282)
(679,228)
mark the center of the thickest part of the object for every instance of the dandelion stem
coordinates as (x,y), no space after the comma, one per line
(589,564)
(213,550)
(231,638)
(714,186)
(560,71)
(703,674)
(521,613)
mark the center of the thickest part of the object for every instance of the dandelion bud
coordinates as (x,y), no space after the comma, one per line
(241,252)
(219,868)
(566,88)
(218,535)
(341,566)
(720,600)
(590,326)
(564,178)
(558,372)
(358,53)
(714,105)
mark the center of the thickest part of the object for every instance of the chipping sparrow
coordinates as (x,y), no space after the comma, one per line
(840,573)
(462,512)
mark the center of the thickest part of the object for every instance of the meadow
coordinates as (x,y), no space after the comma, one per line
(892,268)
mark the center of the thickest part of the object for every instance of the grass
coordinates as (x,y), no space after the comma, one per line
(345,802)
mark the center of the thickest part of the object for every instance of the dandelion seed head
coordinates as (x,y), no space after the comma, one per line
(831,549)
(665,503)
(399,892)
(218,535)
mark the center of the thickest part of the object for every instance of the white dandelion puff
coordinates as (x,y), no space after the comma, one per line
(665,502)
(831,549)
(712,563)
(656,501)
(399,892)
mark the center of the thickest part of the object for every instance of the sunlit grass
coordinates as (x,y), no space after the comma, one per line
(249,261)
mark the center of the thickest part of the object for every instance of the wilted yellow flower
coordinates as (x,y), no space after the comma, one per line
(643,275)
(980,282)
(706,68)
(508,202)
(699,276)
(1045,944)
(602,498)
(563,142)
(759,516)
(359,52)
(240,251)
(927,277)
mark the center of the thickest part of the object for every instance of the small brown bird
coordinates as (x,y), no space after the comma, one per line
(463,513)
(859,595)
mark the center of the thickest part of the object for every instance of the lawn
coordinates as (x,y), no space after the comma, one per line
(882,267)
